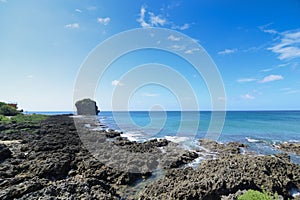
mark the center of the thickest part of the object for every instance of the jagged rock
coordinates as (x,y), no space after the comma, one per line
(86,107)
(4,152)
(222,149)
(183,159)
(226,175)
(290,147)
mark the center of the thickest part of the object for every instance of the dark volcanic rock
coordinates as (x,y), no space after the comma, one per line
(185,158)
(52,163)
(4,152)
(290,147)
(87,107)
(227,175)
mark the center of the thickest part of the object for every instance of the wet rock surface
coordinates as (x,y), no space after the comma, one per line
(291,147)
(226,175)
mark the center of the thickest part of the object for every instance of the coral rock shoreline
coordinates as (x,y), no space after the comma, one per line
(50,161)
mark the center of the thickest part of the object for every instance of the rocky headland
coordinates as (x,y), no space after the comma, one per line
(62,159)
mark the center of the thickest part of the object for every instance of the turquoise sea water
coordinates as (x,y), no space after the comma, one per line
(261,130)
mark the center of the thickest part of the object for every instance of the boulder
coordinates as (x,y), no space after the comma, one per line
(86,107)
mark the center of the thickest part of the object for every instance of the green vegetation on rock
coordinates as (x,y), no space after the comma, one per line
(256,195)
(24,119)
(7,110)
(34,118)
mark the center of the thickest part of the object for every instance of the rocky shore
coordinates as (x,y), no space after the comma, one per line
(57,160)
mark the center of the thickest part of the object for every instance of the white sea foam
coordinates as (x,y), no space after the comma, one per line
(294,141)
(251,140)
(176,139)
(132,136)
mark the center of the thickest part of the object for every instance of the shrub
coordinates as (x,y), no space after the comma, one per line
(8,110)
(256,195)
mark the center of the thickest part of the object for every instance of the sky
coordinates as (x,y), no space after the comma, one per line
(255,46)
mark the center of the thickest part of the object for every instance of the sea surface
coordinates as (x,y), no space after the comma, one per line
(261,130)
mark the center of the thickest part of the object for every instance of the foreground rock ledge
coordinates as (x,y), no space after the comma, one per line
(227,175)
(50,162)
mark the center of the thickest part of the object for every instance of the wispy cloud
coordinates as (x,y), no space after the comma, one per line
(116,83)
(3,1)
(289,91)
(227,51)
(105,21)
(247,97)
(287,45)
(78,10)
(267,70)
(156,20)
(177,47)
(173,38)
(72,26)
(191,51)
(183,27)
(271,78)
(264,28)
(142,20)
(150,94)
(245,80)
(153,20)
(276,67)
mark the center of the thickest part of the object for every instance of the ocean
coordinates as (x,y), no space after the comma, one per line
(261,130)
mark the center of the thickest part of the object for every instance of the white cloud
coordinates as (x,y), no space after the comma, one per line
(150,94)
(183,27)
(264,28)
(30,76)
(3,1)
(287,45)
(267,69)
(173,38)
(271,78)
(247,97)
(177,47)
(276,67)
(72,26)
(154,20)
(142,21)
(105,21)
(78,10)
(245,80)
(227,51)
(191,51)
(116,83)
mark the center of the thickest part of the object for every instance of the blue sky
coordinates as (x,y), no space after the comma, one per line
(255,45)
